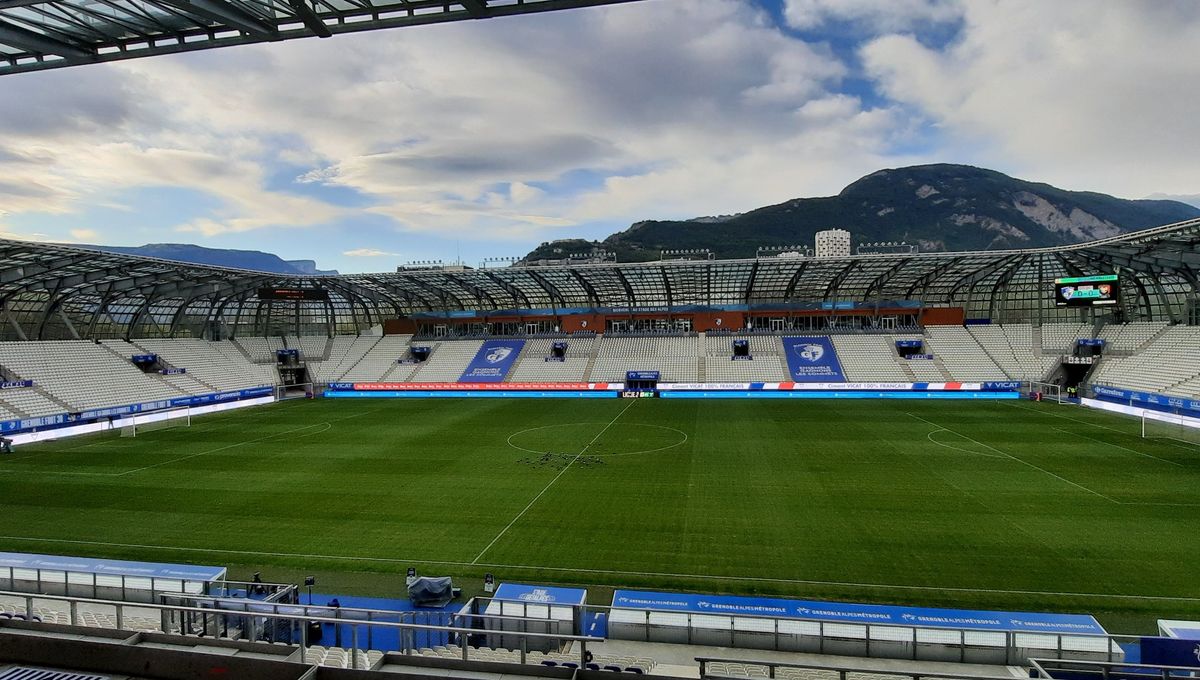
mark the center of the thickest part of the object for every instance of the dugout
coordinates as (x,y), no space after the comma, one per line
(865,630)
(103,579)
(553,611)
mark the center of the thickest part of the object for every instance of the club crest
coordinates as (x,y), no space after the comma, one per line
(498,354)
(810,352)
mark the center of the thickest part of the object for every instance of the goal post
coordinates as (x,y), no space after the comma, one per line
(141,423)
(1170,427)
(1049,391)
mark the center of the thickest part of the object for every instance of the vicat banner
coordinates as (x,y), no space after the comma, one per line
(493,361)
(812,359)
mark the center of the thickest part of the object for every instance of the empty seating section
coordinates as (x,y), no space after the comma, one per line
(336,657)
(676,358)
(312,347)
(80,375)
(1060,338)
(219,365)
(533,367)
(924,370)
(735,669)
(763,368)
(961,355)
(261,350)
(722,345)
(870,358)
(447,360)
(623,662)
(26,403)
(1167,365)
(1011,347)
(83,374)
(380,360)
(344,352)
(1130,337)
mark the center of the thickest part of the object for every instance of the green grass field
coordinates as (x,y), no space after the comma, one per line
(968,504)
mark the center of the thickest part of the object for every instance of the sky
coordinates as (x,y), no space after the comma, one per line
(483,139)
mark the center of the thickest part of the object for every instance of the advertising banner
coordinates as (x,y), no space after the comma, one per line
(812,359)
(493,361)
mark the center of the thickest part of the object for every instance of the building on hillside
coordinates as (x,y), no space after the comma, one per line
(833,243)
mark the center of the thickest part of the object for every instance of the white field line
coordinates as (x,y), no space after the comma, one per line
(957,448)
(552,481)
(1023,462)
(222,448)
(1118,446)
(612,572)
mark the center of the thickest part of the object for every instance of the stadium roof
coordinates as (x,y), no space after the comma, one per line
(43,34)
(59,291)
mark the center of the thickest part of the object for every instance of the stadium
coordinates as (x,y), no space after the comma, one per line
(954,465)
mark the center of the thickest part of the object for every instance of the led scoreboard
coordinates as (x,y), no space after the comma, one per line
(1087,291)
(293,294)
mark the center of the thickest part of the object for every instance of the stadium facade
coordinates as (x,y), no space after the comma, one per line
(52,292)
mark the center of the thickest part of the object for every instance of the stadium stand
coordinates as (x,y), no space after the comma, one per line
(380,361)
(1060,338)
(220,365)
(28,403)
(676,358)
(447,360)
(1167,364)
(533,367)
(871,358)
(1130,337)
(343,352)
(312,347)
(1011,347)
(261,350)
(83,374)
(962,356)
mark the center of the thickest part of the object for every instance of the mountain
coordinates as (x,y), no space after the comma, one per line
(939,207)
(221,257)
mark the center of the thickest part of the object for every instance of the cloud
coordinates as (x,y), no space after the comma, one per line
(368,252)
(1084,94)
(85,235)
(876,15)
(578,123)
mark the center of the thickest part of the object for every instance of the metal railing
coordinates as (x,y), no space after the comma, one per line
(216,623)
(880,640)
(773,667)
(1103,670)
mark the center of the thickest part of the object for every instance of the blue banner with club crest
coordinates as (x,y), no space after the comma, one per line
(812,359)
(493,361)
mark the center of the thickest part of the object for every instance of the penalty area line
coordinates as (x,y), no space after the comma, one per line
(611,572)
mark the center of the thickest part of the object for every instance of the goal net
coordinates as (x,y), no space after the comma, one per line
(142,423)
(1171,427)
(1049,391)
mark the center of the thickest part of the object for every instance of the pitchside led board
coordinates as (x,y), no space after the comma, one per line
(1087,291)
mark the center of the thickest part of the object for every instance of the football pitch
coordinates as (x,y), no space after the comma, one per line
(1000,505)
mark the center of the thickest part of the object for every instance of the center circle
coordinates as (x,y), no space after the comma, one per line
(597,439)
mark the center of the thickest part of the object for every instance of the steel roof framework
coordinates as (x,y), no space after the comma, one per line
(63,292)
(44,34)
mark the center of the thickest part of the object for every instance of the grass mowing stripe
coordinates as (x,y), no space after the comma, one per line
(552,481)
(1023,462)
(1118,446)
(774,497)
(614,572)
